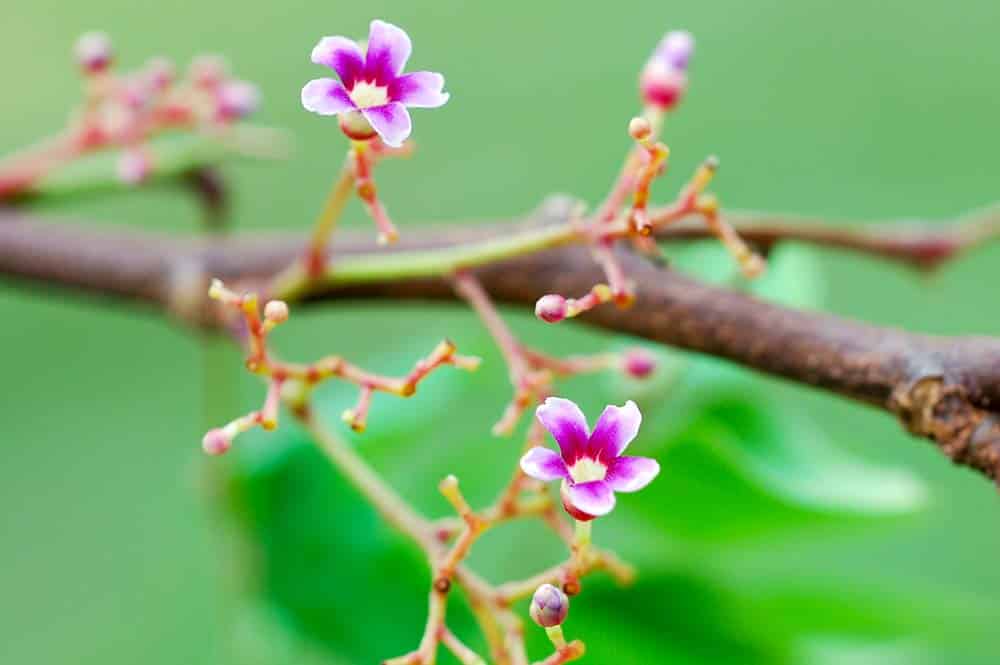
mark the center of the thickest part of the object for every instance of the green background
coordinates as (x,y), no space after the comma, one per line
(778,531)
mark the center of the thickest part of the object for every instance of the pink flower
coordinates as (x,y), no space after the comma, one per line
(373,93)
(591,465)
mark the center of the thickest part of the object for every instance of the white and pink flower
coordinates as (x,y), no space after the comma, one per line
(373,93)
(590,464)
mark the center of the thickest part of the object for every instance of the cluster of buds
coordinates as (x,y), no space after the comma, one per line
(124,110)
(532,372)
(294,382)
(625,213)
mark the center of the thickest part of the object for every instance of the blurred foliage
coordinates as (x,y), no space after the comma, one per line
(787,526)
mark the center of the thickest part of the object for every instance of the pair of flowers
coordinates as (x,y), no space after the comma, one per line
(371,98)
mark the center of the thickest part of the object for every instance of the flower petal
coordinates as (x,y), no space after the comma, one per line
(614,431)
(391,121)
(343,55)
(544,464)
(389,48)
(594,498)
(567,425)
(419,89)
(326,97)
(631,474)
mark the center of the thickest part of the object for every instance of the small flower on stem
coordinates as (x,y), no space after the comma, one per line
(590,465)
(571,307)
(371,100)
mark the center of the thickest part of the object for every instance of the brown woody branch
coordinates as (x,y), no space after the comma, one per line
(946,389)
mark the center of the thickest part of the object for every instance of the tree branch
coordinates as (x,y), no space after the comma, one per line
(946,389)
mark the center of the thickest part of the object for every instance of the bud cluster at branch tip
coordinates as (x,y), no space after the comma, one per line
(124,110)
(304,377)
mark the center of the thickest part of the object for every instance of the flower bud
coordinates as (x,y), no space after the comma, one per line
(549,606)
(551,308)
(93,52)
(676,48)
(276,311)
(638,363)
(159,74)
(208,71)
(355,126)
(662,85)
(216,442)
(639,129)
(237,99)
(133,167)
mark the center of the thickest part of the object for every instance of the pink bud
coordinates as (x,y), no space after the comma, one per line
(208,71)
(237,99)
(638,363)
(93,52)
(216,442)
(134,166)
(135,92)
(549,606)
(159,74)
(276,311)
(662,85)
(551,308)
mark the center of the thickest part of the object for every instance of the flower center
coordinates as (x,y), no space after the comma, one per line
(586,469)
(366,94)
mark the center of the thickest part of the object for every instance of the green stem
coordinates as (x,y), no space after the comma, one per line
(377,267)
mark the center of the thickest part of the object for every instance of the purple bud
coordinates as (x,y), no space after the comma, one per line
(549,606)
(93,52)
(133,166)
(676,48)
(237,99)
(551,308)
(216,442)
(638,363)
